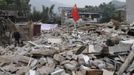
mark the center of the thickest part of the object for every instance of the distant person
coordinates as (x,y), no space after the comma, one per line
(16,36)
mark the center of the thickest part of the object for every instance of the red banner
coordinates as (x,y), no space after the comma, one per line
(75,13)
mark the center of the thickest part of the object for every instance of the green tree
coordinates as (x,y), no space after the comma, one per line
(44,14)
(3,2)
(8,2)
(35,15)
(118,16)
(50,13)
(107,11)
(47,15)
(3,30)
(91,9)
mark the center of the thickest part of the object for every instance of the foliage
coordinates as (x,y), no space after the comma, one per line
(117,16)
(91,9)
(46,15)
(3,30)
(3,2)
(15,4)
(35,16)
(3,27)
(50,12)
(107,11)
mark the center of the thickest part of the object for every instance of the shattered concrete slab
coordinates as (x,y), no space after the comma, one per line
(59,53)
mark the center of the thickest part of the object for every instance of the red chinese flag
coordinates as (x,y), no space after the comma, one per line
(75,13)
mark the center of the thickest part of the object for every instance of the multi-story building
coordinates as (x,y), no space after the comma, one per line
(130,11)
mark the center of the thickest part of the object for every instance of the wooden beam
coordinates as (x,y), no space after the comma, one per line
(126,64)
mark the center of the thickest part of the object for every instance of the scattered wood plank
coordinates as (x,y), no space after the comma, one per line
(80,50)
(33,43)
(126,64)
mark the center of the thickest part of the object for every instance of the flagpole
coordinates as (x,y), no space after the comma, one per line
(68,28)
(66,18)
(75,27)
(67,25)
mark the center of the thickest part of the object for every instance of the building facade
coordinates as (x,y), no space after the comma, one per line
(130,11)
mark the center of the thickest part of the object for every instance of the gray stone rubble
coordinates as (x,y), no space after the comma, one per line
(55,53)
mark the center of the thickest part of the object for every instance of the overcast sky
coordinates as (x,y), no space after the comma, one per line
(82,3)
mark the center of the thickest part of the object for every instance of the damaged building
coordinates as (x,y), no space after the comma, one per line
(94,49)
(15,10)
(130,11)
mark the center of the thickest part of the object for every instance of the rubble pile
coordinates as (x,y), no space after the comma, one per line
(89,52)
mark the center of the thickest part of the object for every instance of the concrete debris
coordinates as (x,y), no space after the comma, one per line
(59,58)
(55,40)
(128,41)
(50,60)
(10,68)
(32,72)
(33,63)
(65,62)
(5,73)
(83,59)
(94,50)
(42,61)
(80,72)
(84,68)
(43,52)
(70,66)
(22,71)
(46,70)
(33,43)
(91,49)
(59,72)
(105,72)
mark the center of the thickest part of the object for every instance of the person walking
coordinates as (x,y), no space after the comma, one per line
(16,36)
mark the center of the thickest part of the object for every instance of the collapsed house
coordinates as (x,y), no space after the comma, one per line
(96,50)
